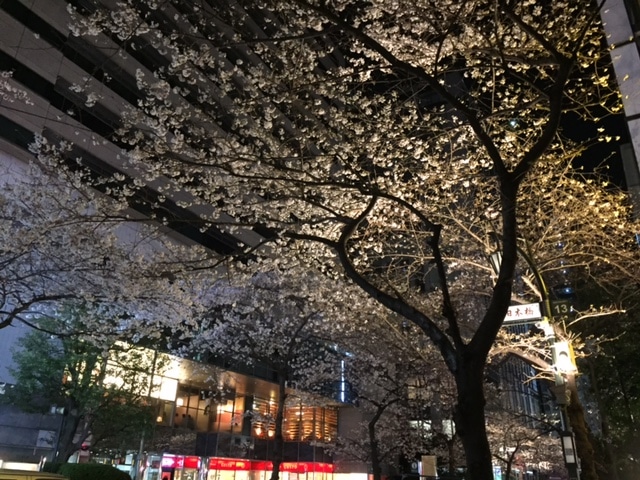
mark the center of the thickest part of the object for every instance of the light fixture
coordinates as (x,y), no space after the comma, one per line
(563,357)
(56,410)
(569,448)
(180,402)
(495,259)
(159,419)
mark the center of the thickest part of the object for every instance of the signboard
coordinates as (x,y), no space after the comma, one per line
(520,313)
(428,464)
(561,307)
(172,461)
(229,464)
(237,464)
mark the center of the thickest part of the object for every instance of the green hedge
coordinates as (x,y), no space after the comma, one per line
(52,467)
(87,471)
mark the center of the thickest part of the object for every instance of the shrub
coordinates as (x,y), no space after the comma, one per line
(52,467)
(92,471)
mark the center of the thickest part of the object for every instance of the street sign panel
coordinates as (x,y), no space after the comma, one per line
(519,313)
(561,307)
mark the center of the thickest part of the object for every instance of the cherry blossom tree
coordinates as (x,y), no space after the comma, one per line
(384,142)
(275,319)
(386,366)
(65,242)
(517,446)
(573,255)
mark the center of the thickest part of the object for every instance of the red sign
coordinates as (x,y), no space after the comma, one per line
(192,462)
(172,461)
(261,466)
(295,467)
(247,465)
(229,464)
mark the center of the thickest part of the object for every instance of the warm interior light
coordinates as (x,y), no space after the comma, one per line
(180,401)
(159,419)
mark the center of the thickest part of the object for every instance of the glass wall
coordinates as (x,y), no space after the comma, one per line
(199,410)
(190,409)
(305,423)
(301,423)
(263,417)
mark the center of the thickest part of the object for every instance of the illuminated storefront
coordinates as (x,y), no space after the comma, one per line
(239,469)
(228,469)
(227,421)
(180,467)
(294,471)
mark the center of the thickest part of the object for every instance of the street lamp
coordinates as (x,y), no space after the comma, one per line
(562,356)
(62,412)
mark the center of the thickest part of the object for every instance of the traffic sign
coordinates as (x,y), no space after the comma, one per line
(519,313)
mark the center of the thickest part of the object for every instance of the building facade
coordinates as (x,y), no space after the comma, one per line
(621,21)
(46,60)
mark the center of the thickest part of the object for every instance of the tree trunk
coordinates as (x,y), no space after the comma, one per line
(376,460)
(65,446)
(451,448)
(470,419)
(610,471)
(278,438)
(376,468)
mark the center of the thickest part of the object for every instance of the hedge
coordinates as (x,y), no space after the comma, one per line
(87,471)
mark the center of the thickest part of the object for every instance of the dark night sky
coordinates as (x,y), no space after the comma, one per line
(600,152)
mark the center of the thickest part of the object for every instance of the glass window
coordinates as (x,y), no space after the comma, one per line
(193,408)
(305,423)
(264,414)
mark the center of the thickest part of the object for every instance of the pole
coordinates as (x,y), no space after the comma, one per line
(562,398)
(138,463)
(560,389)
(62,412)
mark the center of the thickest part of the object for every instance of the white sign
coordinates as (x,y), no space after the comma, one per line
(518,313)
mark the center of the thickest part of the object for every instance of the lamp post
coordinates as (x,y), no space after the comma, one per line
(62,412)
(562,360)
